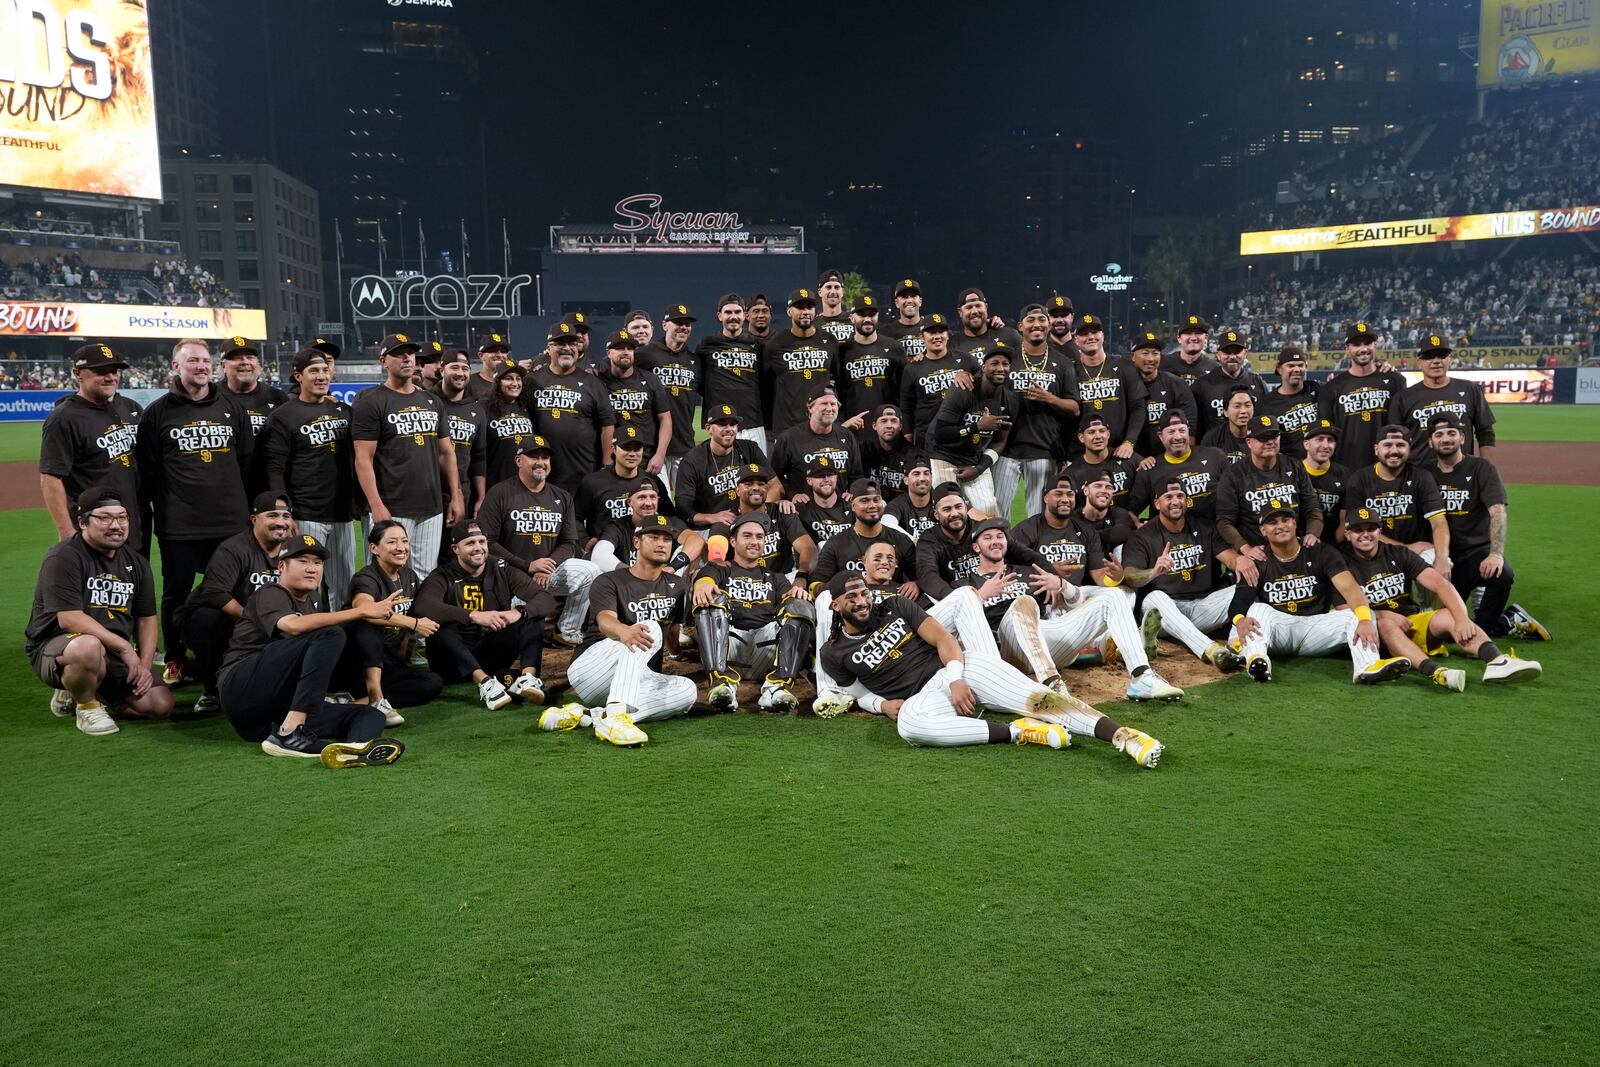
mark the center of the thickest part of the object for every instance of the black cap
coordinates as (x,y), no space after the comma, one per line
(1089,324)
(1431,344)
(1394,429)
(971,292)
(238,346)
(627,437)
(935,322)
(677,313)
(397,343)
(802,296)
(1090,419)
(999,348)
(729,298)
(635,315)
(1359,334)
(1322,427)
(455,355)
(533,444)
(507,368)
(621,339)
(884,409)
(462,530)
(1029,309)
(821,465)
(322,344)
(1089,475)
(563,331)
(944,489)
(656,524)
(1174,417)
(304,545)
(1278,507)
(268,501)
(864,487)
(577,320)
(864,303)
(1147,339)
(1194,324)
(1443,418)
(432,352)
(753,472)
(918,459)
(1263,427)
(643,484)
(829,276)
(757,298)
(494,343)
(96,495)
(96,356)
(989,524)
(723,413)
(1354,518)
(1291,354)
(907,285)
(1059,305)
(305,357)
(1231,338)
(758,518)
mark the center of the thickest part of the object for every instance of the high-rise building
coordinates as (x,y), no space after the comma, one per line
(184,61)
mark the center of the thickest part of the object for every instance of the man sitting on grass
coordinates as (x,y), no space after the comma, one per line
(92,634)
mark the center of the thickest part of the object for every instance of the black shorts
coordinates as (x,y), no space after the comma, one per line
(114,686)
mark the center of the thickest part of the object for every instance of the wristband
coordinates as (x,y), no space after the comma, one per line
(953,669)
(705,578)
(1237,617)
(1364,613)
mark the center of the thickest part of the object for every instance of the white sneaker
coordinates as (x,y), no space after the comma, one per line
(1453,680)
(1508,668)
(831,703)
(207,704)
(390,716)
(617,727)
(96,721)
(494,694)
(527,688)
(61,704)
(1151,686)
(776,698)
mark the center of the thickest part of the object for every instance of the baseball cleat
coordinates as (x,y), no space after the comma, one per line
(1138,746)
(172,674)
(493,694)
(831,703)
(299,742)
(617,727)
(724,693)
(566,717)
(379,752)
(391,717)
(1259,666)
(1508,668)
(1383,670)
(1110,654)
(777,697)
(1150,630)
(527,688)
(62,705)
(1151,686)
(95,721)
(207,704)
(1525,625)
(1224,658)
(1453,680)
(1034,732)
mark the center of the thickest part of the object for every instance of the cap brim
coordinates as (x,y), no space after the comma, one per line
(402,349)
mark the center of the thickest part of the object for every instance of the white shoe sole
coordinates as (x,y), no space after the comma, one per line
(99,731)
(1525,670)
(724,698)
(273,750)
(496,705)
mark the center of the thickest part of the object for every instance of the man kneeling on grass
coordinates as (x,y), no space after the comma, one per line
(92,635)
(893,650)
(274,680)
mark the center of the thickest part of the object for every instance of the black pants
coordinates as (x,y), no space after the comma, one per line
(207,632)
(292,674)
(455,656)
(181,562)
(1496,591)
(404,686)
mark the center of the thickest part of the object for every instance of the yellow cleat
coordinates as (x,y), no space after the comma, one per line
(1453,680)
(617,727)
(1383,670)
(1138,746)
(1034,732)
(566,717)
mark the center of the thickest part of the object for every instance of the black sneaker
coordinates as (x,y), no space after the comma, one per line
(297,742)
(379,752)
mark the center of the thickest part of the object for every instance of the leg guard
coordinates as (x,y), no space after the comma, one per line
(797,623)
(711,634)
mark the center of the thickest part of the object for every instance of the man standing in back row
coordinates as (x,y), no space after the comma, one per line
(1360,401)
(88,440)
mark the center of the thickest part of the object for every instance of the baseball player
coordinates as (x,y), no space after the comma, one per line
(614,548)
(466,420)
(789,547)
(869,366)
(1110,388)
(1327,477)
(1404,496)
(1061,313)
(843,551)
(905,329)
(1437,394)
(1176,557)
(747,616)
(639,399)
(1199,466)
(885,450)
(678,371)
(816,436)
(912,511)
(935,692)
(1247,491)
(1190,362)
(1229,434)
(971,429)
(1047,387)
(1361,400)
(88,440)
(1164,391)
(929,378)
(708,474)
(796,365)
(1387,573)
(1291,609)
(633,614)
(1214,389)
(1294,402)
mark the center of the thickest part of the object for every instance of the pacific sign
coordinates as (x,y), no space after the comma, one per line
(442,296)
(643,215)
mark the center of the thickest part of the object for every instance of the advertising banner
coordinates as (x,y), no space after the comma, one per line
(76,110)
(1497,225)
(1505,386)
(111,321)
(1521,41)
(1588,385)
(1565,355)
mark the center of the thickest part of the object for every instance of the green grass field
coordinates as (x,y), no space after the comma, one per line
(1315,874)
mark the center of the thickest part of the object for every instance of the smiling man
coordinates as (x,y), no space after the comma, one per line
(89,440)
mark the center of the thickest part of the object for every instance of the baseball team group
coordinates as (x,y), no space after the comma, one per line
(841,526)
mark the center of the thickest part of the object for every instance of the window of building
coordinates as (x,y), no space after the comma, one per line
(244,241)
(244,211)
(251,297)
(172,235)
(209,240)
(249,270)
(244,183)
(205,183)
(214,266)
(208,211)
(169,211)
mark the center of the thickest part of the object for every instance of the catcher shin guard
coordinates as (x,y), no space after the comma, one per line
(797,623)
(711,633)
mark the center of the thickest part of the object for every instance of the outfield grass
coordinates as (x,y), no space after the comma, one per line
(1316,873)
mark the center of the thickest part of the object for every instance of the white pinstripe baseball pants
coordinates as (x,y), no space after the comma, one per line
(610,671)
(1308,635)
(1189,620)
(1099,611)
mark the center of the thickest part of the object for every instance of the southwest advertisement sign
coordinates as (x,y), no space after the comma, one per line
(111,321)
(1521,41)
(76,110)
(1494,226)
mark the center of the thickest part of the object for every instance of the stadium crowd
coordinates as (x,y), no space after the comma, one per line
(843,524)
